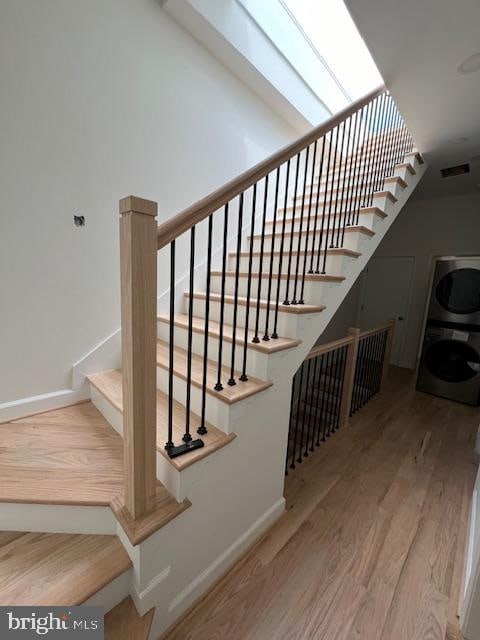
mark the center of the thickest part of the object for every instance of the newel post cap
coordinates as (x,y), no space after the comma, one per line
(133,204)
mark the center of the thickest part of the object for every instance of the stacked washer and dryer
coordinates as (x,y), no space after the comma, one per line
(450,362)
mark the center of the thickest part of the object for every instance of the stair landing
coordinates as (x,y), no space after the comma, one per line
(57,569)
(72,456)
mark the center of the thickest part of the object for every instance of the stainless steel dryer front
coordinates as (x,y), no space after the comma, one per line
(450,364)
(455,293)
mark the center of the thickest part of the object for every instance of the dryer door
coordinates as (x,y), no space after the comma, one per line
(452,361)
(456,292)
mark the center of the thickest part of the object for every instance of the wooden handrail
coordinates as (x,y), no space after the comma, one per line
(380,329)
(176,226)
(329,346)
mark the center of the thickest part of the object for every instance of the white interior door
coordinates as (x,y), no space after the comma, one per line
(386,293)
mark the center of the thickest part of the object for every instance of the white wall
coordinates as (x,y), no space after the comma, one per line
(100,100)
(239,39)
(424,229)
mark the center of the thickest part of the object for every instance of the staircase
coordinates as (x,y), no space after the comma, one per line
(176,464)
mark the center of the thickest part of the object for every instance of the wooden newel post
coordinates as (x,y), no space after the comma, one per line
(349,379)
(138,267)
(388,351)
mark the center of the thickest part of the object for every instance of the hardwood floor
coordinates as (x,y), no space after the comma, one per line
(55,569)
(372,544)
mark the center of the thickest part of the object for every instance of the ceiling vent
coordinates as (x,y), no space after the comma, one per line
(459,170)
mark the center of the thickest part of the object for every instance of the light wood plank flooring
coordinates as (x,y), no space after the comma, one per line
(372,544)
(57,568)
(73,456)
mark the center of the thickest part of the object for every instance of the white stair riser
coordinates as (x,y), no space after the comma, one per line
(339,205)
(217,412)
(369,220)
(287,322)
(335,264)
(170,477)
(313,293)
(257,361)
(340,192)
(351,240)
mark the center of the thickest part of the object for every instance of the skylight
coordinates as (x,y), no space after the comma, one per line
(333,34)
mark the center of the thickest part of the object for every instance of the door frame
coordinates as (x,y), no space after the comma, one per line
(363,286)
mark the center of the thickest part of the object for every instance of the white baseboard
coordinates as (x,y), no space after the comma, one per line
(44,402)
(216,569)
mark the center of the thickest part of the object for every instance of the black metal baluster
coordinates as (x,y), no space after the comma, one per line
(302,210)
(314,400)
(342,382)
(357,382)
(324,387)
(169,444)
(244,376)
(305,248)
(381,358)
(378,142)
(337,388)
(299,459)
(255,338)
(359,183)
(381,152)
(315,224)
(272,253)
(342,178)
(318,419)
(306,420)
(280,258)
(218,384)
(387,149)
(331,230)
(202,430)
(369,370)
(352,175)
(187,436)
(371,116)
(325,196)
(292,229)
(232,380)
(331,392)
(379,361)
(290,429)
(189,443)
(395,145)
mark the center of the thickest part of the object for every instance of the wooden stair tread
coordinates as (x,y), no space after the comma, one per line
(363,211)
(314,277)
(124,622)
(378,194)
(353,229)
(67,456)
(229,394)
(57,569)
(336,251)
(109,384)
(71,456)
(165,509)
(340,187)
(360,174)
(198,326)
(229,299)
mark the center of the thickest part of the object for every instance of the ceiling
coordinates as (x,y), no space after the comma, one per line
(418,46)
